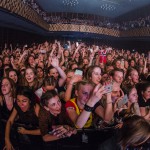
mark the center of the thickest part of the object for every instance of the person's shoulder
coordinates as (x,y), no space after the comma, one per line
(37,109)
(39,92)
(1,100)
(70,104)
(43,112)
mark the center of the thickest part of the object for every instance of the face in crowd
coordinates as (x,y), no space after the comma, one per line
(51,102)
(54,106)
(94,74)
(30,75)
(133,96)
(83,94)
(6,61)
(6,87)
(134,76)
(53,72)
(146,93)
(23,102)
(40,72)
(118,77)
(69,75)
(31,61)
(116,92)
(13,76)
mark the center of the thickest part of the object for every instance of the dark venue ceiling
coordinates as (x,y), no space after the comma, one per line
(107,8)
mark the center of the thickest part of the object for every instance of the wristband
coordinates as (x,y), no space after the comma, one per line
(109,102)
(88,108)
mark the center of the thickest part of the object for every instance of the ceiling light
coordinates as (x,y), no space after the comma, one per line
(108,7)
(71,3)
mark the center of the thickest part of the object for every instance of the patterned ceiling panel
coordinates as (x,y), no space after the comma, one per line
(108,8)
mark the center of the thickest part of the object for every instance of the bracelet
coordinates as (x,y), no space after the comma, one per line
(88,108)
(109,102)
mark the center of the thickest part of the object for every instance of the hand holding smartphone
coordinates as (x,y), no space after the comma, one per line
(108,88)
(78,72)
(122,101)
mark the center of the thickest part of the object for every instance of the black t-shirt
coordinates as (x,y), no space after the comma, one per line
(142,102)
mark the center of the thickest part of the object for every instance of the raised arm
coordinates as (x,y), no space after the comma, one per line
(75,79)
(10,122)
(109,113)
(96,96)
(55,64)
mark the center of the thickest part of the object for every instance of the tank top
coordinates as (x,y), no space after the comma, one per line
(5,112)
(78,111)
(28,119)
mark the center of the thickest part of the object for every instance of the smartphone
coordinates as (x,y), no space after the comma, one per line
(65,46)
(122,63)
(123,101)
(78,72)
(51,132)
(26,45)
(77,44)
(108,88)
(43,51)
(91,50)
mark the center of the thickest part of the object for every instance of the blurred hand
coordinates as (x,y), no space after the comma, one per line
(75,79)
(55,62)
(97,93)
(8,146)
(60,131)
(54,46)
(22,130)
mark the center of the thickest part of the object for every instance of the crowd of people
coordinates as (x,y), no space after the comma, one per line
(50,91)
(140,22)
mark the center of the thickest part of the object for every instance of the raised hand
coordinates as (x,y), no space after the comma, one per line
(75,79)
(22,130)
(98,92)
(54,46)
(55,62)
(8,146)
(96,49)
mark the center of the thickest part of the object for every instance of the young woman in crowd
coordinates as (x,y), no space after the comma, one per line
(49,83)
(132,102)
(12,74)
(55,71)
(71,80)
(7,97)
(132,77)
(81,107)
(7,102)
(144,99)
(31,79)
(40,75)
(31,61)
(93,74)
(126,105)
(134,132)
(1,68)
(27,112)
(53,121)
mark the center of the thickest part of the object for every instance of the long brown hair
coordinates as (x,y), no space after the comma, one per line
(135,131)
